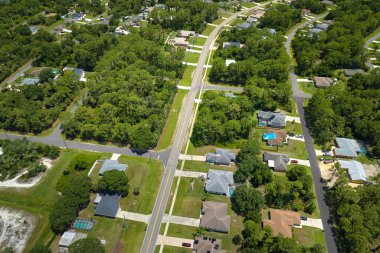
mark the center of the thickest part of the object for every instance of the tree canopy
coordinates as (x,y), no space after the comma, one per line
(87,245)
(114,182)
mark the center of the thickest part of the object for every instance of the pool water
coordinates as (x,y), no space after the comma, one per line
(231,191)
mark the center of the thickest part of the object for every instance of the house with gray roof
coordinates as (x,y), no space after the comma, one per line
(271,119)
(323,26)
(29,81)
(221,157)
(68,238)
(315,31)
(347,148)
(112,165)
(34,29)
(352,72)
(276,161)
(219,182)
(355,171)
(229,44)
(214,217)
(108,206)
(243,26)
(79,73)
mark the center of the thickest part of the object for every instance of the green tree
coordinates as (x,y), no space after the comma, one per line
(246,199)
(87,245)
(114,182)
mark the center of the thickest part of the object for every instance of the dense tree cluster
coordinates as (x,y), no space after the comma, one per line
(356,215)
(250,165)
(130,99)
(22,154)
(352,111)
(315,6)
(114,182)
(126,7)
(222,120)
(291,192)
(75,197)
(248,202)
(280,17)
(34,108)
(185,14)
(342,45)
(87,245)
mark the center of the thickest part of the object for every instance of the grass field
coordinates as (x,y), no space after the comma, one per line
(247,4)
(295,128)
(145,174)
(208,30)
(198,41)
(218,21)
(187,76)
(189,201)
(308,236)
(191,57)
(308,87)
(204,167)
(168,132)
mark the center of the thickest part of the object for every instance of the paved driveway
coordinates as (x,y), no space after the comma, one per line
(181,220)
(310,222)
(192,157)
(133,216)
(194,174)
(172,241)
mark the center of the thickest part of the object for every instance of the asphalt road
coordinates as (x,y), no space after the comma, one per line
(299,97)
(20,71)
(366,45)
(153,229)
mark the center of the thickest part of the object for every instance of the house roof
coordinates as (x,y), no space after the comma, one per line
(346,147)
(272,31)
(232,44)
(229,62)
(221,156)
(352,72)
(322,26)
(243,25)
(279,137)
(33,29)
(203,244)
(77,15)
(108,206)
(79,73)
(184,33)
(276,160)
(322,81)
(29,81)
(315,31)
(214,217)
(275,119)
(218,181)
(229,95)
(355,170)
(70,237)
(281,221)
(112,165)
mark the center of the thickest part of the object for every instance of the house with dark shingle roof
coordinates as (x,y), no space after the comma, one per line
(279,162)
(108,206)
(112,165)
(352,72)
(271,119)
(219,181)
(214,217)
(221,157)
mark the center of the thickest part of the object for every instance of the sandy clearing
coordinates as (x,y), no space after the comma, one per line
(16,228)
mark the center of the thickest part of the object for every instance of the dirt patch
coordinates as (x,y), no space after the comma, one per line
(371,170)
(16,228)
(328,173)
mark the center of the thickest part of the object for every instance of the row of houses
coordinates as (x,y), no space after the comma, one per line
(324,82)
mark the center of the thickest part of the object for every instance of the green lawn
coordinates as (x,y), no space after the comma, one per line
(208,149)
(145,174)
(226,15)
(218,21)
(170,197)
(308,236)
(236,22)
(187,76)
(39,200)
(168,132)
(295,128)
(191,57)
(248,4)
(208,30)
(198,41)
(189,201)
(308,87)
(204,167)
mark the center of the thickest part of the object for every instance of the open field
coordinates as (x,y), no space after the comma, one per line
(191,57)
(171,249)
(247,4)
(308,236)
(208,30)
(308,87)
(167,135)
(198,41)
(295,128)
(209,149)
(187,76)
(218,21)
(189,201)
(204,166)
(145,174)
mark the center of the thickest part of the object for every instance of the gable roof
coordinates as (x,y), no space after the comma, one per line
(232,44)
(243,25)
(352,72)
(79,73)
(214,217)
(346,147)
(112,165)
(322,81)
(355,170)
(281,221)
(221,156)
(108,206)
(218,181)
(274,119)
(278,161)
(69,237)
(29,81)
(203,244)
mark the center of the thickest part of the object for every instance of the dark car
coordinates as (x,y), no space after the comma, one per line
(291,134)
(293,161)
(186,244)
(303,218)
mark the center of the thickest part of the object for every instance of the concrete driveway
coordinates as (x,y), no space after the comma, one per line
(194,174)
(133,216)
(291,119)
(192,157)
(172,241)
(181,220)
(310,222)
(301,162)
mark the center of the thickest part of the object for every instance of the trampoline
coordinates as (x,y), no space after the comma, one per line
(83,224)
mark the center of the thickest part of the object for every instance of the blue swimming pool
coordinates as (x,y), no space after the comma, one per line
(231,191)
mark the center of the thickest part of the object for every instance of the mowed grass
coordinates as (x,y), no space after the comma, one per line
(204,166)
(208,30)
(187,76)
(208,149)
(308,236)
(295,128)
(198,41)
(145,174)
(191,57)
(189,199)
(218,21)
(168,132)
(248,4)
(308,87)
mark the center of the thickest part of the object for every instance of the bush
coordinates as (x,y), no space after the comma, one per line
(82,165)
(87,245)
(39,168)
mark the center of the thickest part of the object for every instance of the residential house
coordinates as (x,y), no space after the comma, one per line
(229,62)
(203,244)
(305,12)
(185,34)
(121,31)
(251,20)
(355,171)
(327,2)
(229,95)
(272,31)
(33,29)
(257,14)
(275,137)
(221,157)
(323,26)
(352,72)
(77,16)
(112,165)
(276,161)
(108,206)
(322,82)
(243,26)
(219,182)
(214,217)
(347,148)
(68,238)
(179,42)
(272,119)
(315,31)
(281,221)
(78,73)
(29,81)
(60,29)
(229,44)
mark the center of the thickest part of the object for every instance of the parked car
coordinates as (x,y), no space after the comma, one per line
(321,159)
(186,244)
(328,161)
(293,161)
(291,134)
(327,154)
(303,218)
